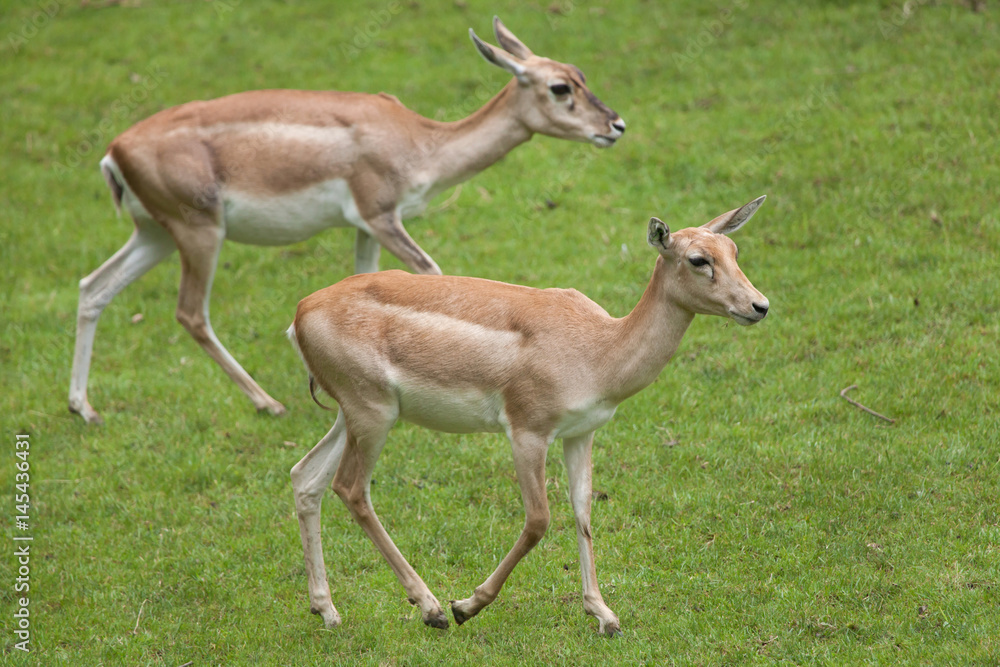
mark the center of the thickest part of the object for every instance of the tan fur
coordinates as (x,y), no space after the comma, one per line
(464,354)
(274,167)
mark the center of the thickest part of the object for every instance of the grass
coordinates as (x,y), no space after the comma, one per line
(752,515)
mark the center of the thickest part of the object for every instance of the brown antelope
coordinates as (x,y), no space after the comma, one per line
(465,355)
(274,167)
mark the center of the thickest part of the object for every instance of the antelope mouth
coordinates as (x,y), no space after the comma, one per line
(603,140)
(744,320)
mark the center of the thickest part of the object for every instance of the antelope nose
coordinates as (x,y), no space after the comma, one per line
(618,124)
(761,308)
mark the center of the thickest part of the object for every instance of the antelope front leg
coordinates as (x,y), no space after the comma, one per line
(366,252)
(529,461)
(388,230)
(577,453)
(310,478)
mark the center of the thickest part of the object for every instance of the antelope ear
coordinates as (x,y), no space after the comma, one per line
(727,223)
(508,41)
(658,235)
(500,58)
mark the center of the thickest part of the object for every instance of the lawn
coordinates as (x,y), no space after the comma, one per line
(747,513)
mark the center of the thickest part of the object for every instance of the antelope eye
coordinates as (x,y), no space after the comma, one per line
(698,261)
(560,89)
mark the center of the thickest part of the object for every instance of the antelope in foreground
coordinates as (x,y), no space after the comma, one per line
(465,355)
(275,167)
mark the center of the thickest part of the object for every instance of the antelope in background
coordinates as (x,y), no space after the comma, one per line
(275,167)
(465,355)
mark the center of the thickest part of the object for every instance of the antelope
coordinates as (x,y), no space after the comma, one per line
(466,355)
(275,167)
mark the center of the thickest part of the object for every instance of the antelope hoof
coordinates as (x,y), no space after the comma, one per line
(610,628)
(89,414)
(438,620)
(331,618)
(461,615)
(274,408)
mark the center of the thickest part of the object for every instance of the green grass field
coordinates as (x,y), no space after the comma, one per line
(751,514)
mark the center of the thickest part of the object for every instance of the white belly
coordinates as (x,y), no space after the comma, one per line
(290,218)
(473,411)
(453,410)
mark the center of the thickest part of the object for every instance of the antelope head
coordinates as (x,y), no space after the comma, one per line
(552,97)
(702,272)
